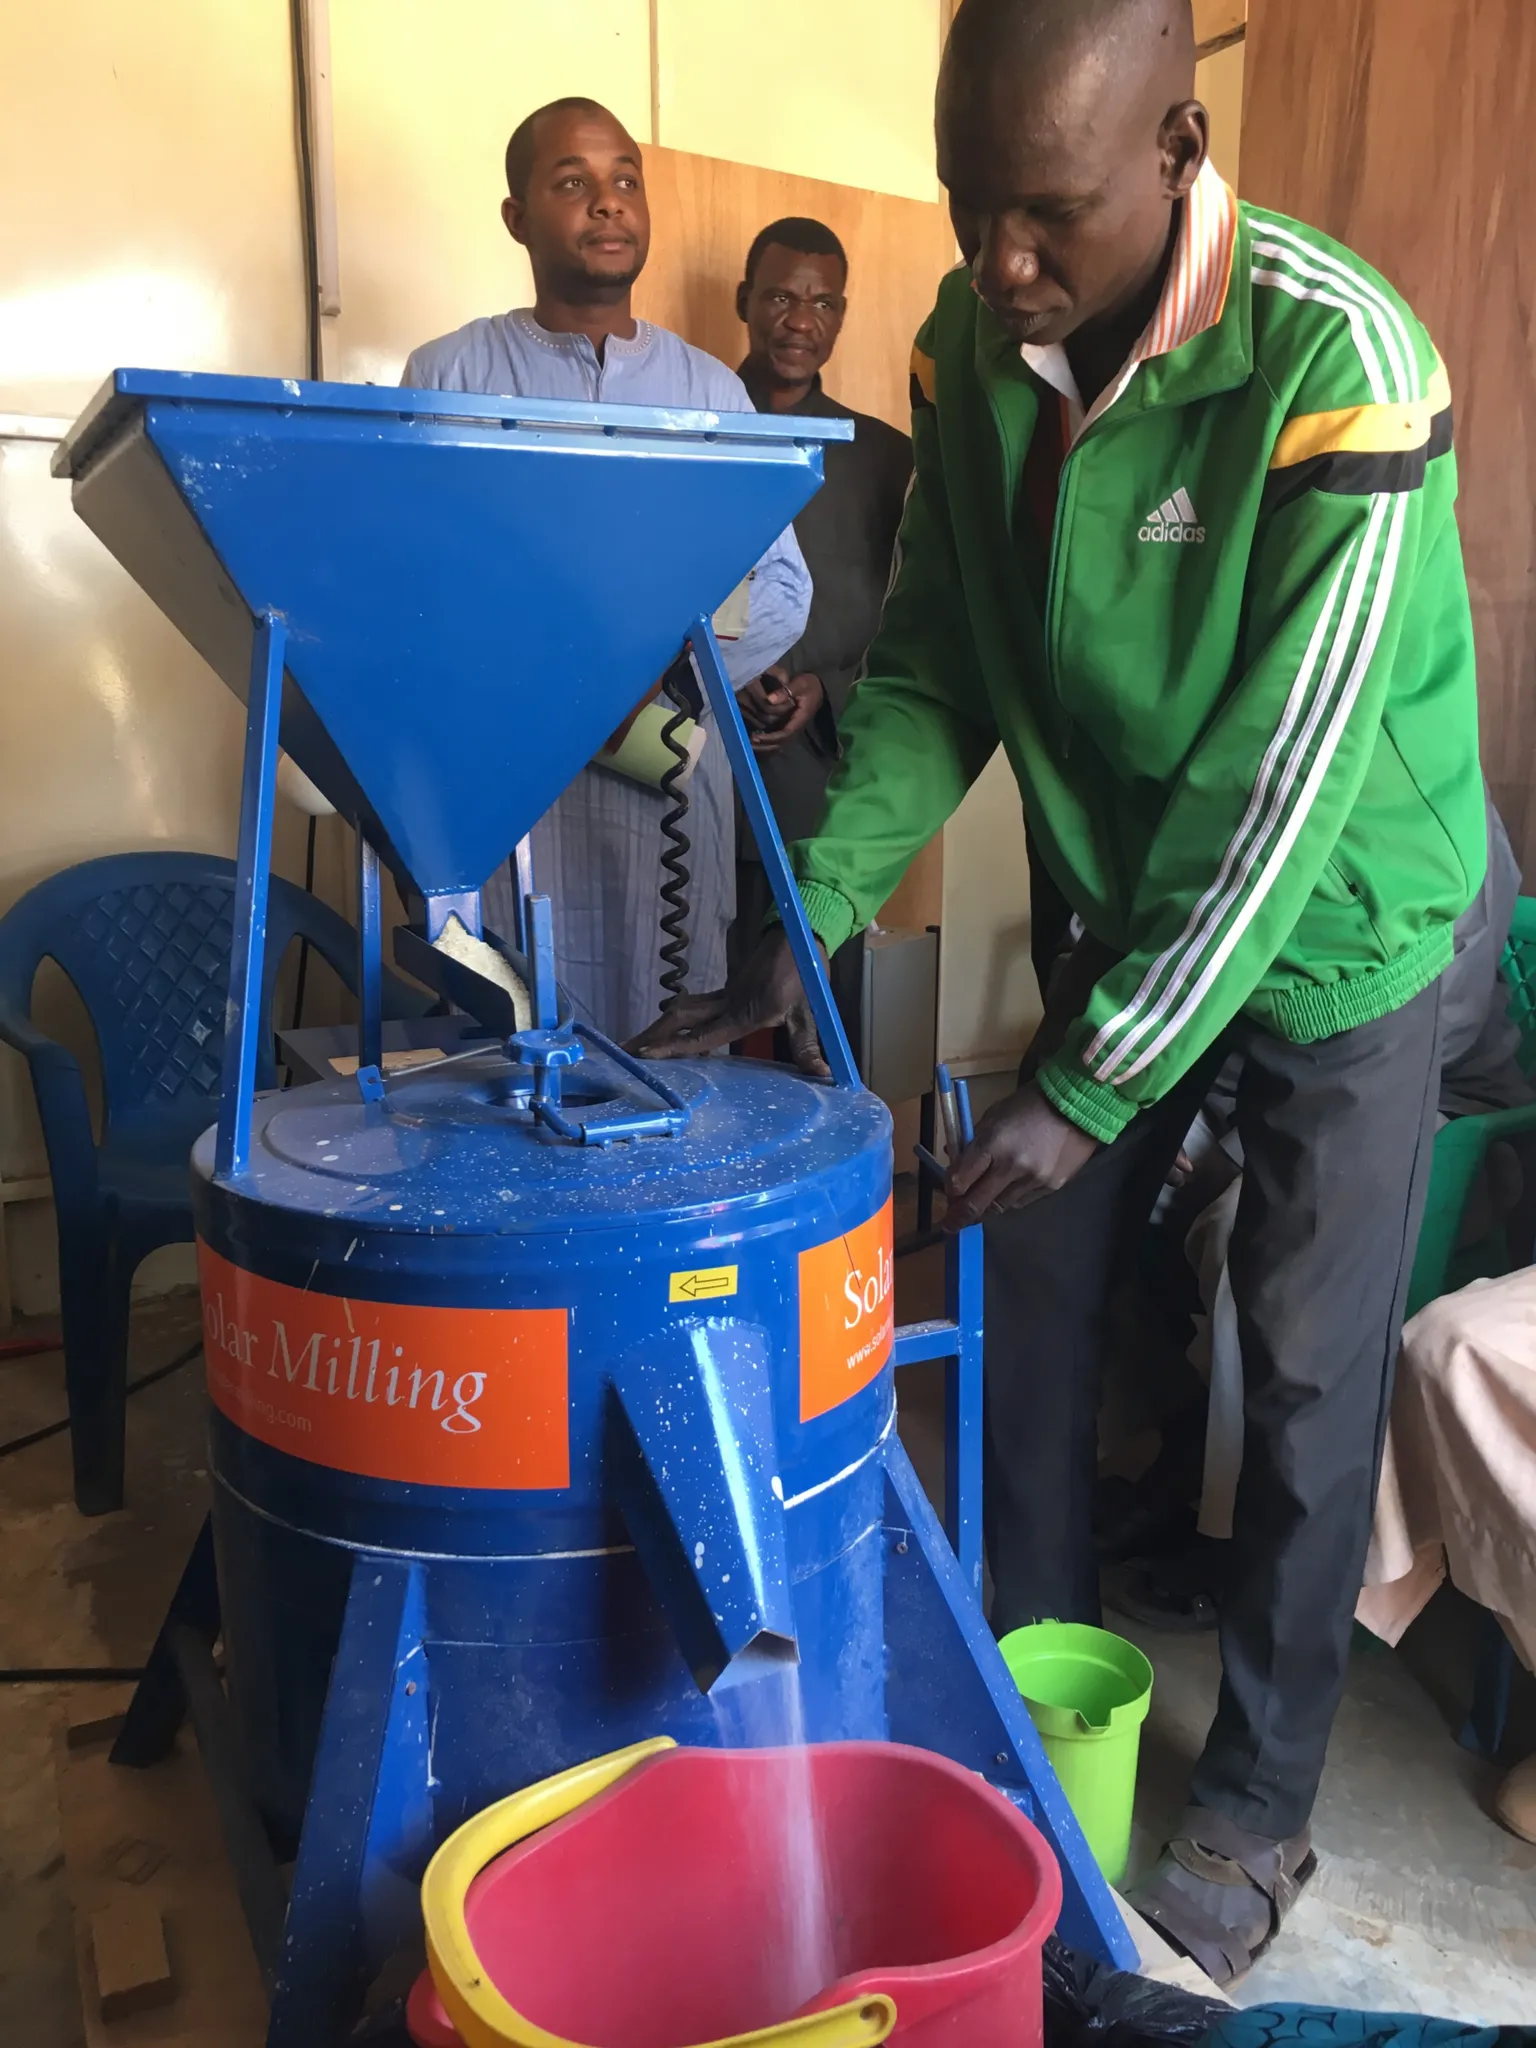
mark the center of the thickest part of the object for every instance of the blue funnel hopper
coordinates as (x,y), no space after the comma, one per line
(475,590)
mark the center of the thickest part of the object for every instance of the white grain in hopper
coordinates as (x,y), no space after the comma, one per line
(460,944)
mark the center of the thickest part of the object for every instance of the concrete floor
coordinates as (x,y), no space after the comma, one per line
(1421,1903)
(78,1592)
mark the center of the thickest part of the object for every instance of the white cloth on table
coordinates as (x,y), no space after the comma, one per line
(1458,1483)
(597,850)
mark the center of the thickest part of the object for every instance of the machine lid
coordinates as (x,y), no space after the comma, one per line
(456,1151)
(476,589)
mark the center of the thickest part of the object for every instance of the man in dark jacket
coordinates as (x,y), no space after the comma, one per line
(793,299)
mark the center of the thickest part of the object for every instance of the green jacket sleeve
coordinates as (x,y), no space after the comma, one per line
(918,728)
(1265,793)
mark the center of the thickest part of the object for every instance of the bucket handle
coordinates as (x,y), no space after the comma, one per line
(484,2018)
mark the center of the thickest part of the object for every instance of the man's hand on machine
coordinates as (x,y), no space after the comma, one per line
(1023,1150)
(764,991)
(779,705)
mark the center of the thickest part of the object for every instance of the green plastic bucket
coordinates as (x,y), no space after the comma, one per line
(1088,1693)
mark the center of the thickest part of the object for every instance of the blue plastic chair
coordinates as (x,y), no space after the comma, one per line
(145,938)
(1442,1263)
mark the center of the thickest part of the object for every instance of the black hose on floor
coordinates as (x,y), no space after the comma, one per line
(145,1379)
(72,1674)
(86,1674)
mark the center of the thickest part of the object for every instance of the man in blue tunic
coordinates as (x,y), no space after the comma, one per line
(576,202)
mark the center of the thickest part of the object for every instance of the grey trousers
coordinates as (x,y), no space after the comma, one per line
(1337,1140)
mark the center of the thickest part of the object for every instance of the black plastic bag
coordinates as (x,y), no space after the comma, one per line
(1089,2005)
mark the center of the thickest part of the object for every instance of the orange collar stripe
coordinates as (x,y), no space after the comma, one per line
(1195,294)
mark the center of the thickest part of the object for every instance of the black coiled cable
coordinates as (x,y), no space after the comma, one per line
(675,849)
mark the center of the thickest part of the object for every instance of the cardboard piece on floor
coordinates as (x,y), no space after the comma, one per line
(85,1734)
(143,1849)
(133,1971)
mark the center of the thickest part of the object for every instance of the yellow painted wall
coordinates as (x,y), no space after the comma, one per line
(148,214)
(148,198)
(836,89)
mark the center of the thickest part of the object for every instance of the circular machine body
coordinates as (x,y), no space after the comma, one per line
(588,1394)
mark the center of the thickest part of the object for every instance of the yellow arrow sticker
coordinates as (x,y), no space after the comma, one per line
(707,1284)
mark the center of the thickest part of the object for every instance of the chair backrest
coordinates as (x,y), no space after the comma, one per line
(145,938)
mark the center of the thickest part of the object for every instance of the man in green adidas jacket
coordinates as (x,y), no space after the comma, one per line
(1181,540)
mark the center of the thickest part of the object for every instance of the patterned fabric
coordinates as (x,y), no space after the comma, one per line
(1321,2026)
(597,852)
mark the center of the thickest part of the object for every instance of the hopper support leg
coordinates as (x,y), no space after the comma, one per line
(253,875)
(705,649)
(370,957)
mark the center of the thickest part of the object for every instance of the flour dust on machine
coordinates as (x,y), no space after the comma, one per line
(539,1405)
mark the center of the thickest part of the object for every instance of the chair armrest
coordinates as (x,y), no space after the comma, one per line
(62,1109)
(1460,1149)
(1506,1123)
(18,1031)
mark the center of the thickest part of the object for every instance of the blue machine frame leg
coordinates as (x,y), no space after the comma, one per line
(754,798)
(159,1702)
(963,1405)
(948,1689)
(370,956)
(964,1392)
(522,870)
(956,1338)
(368,1836)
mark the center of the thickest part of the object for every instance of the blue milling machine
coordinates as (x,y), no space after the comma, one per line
(550,1390)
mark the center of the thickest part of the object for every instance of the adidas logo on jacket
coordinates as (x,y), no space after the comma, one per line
(1174,521)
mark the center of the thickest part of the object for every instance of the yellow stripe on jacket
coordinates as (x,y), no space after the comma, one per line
(1364,429)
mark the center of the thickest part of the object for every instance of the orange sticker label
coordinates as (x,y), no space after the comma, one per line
(847,1314)
(435,1396)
